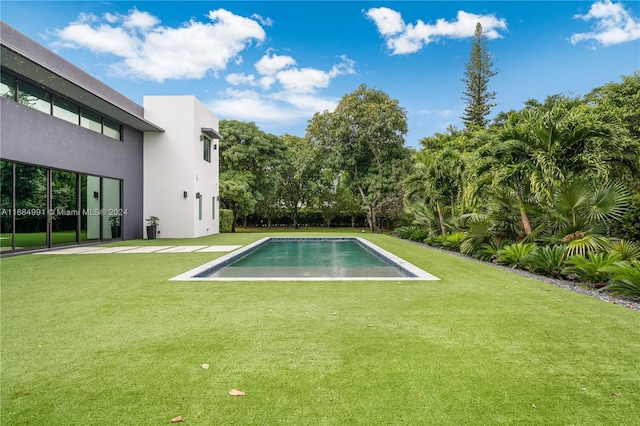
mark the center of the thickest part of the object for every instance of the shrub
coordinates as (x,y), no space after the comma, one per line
(489,251)
(628,250)
(547,260)
(627,227)
(226,220)
(411,232)
(591,268)
(514,255)
(478,233)
(625,279)
(453,241)
(436,240)
(581,243)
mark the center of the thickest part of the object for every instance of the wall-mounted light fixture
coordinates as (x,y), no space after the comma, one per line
(95,194)
(215,146)
(197,195)
(184,194)
(201,138)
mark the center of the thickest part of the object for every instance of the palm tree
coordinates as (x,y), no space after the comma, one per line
(549,146)
(541,148)
(438,181)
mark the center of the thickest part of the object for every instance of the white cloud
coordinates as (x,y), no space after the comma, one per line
(140,20)
(154,52)
(402,38)
(388,21)
(269,65)
(267,22)
(287,94)
(250,105)
(613,24)
(236,79)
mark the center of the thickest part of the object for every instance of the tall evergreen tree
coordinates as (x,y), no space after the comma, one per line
(477,73)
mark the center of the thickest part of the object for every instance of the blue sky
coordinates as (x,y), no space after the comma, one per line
(276,63)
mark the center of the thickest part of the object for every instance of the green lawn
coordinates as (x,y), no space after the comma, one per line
(108,340)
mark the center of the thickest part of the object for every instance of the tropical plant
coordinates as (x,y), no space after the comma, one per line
(411,232)
(628,250)
(625,278)
(540,149)
(453,241)
(547,260)
(478,232)
(489,251)
(591,268)
(436,240)
(152,220)
(515,255)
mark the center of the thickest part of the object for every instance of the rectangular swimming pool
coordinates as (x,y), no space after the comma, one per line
(308,259)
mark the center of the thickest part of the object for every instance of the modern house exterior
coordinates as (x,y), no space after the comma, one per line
(82,163)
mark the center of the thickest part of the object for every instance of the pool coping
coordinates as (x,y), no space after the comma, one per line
(419,274)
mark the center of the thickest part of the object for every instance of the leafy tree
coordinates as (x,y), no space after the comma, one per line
(364,138)
(622,100)
(236,195)
(246,149)
(297,175)
(478,70)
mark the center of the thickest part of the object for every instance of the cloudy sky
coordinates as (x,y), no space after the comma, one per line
(277,63)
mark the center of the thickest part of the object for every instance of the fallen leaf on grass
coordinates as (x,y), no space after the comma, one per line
(177,419)
(616,394)
(236,392)
(205,366)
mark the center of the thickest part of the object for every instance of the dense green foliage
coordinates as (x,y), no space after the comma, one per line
(551,188)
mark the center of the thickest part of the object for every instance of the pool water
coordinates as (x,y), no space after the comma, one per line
(309,259)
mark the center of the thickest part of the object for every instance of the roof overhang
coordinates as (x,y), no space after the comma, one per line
(53,72)
(211,133)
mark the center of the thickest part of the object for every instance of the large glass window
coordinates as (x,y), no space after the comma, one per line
(41,100)
(91,121)
(6,205)
(65,110)
(31,206)
(64,207)
(8,86)
(34,97)
(111,129)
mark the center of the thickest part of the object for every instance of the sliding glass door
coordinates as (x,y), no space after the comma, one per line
(43,207)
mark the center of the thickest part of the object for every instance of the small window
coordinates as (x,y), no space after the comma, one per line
(206,146)
(213,208)
(200,208)
(34,97)
(111,129)
(65,110)
(91,121)
(8,87)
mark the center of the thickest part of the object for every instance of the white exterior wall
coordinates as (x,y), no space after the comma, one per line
(174,163)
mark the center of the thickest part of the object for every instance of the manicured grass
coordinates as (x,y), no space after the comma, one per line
(107,339)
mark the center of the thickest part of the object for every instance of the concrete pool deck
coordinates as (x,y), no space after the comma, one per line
(140,249)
